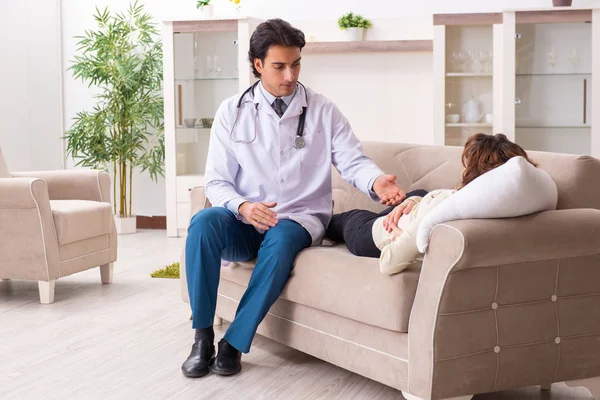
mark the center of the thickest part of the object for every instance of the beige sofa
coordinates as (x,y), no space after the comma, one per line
(497,304)
(54,224)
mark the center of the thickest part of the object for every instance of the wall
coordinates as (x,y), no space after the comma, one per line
(30,114)
(385,97)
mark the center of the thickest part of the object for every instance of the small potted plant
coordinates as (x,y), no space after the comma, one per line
(354,25)
(205,8)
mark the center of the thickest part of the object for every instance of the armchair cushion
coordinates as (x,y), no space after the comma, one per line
(77,220)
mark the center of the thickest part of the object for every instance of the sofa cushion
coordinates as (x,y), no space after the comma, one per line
(77,220)
(332,279)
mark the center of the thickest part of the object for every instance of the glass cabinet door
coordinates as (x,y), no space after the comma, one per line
(205,74)
(553,67)
(469,82)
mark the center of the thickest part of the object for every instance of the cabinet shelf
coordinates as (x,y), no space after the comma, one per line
(194,128)
(224,78)
(368,46)
(470,125)
(556,74)
(553,127)
(469,74)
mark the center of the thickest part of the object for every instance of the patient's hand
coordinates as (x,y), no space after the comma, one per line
(391,220)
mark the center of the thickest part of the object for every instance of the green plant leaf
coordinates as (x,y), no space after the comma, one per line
(351,20)
(122,59)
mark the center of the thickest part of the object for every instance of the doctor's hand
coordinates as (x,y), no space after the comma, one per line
(388,191)
(259,214)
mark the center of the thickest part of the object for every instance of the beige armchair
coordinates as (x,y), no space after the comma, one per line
(54,224)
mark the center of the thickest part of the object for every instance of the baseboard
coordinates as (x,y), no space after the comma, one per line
(155,222)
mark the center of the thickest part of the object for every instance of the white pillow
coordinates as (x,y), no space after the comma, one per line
(513,189)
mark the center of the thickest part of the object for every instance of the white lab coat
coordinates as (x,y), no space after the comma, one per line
(258,162)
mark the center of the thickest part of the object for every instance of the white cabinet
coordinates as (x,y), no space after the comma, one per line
(465,51)
(205,62)
(538,86)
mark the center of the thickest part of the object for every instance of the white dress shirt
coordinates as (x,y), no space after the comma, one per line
(271,99)
(252,157)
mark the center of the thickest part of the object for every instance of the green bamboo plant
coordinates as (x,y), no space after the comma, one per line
(125,129)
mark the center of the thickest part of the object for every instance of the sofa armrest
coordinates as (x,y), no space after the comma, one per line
(495,299)
(19,192)
(28,243)
(74,184)
(541,236)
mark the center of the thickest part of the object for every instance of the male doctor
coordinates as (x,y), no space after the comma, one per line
(268,177)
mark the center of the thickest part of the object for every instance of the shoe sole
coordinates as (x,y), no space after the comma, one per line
(192,375)
(199,375)
(225,372)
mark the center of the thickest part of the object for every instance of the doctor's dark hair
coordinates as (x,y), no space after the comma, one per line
(274,32)
(483,153)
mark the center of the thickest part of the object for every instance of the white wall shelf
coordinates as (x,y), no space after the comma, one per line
(368,46)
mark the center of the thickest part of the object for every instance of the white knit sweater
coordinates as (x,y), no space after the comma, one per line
(399,247)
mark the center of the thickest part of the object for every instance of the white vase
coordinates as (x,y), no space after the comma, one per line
(354,34)
(473,111)
(126,225)
(206,11)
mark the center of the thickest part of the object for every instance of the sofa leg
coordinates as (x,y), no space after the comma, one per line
(106,273)
(46,291)
(592,384)
(546,386)
(218,321)
(409,396)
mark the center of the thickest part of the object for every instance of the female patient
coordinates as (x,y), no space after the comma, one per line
(391,234)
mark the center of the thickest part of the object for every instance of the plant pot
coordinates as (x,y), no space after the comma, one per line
(206,11)
(354,34)
(562,3)
(126,225)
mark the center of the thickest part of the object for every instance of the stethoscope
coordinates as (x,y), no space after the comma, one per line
(299,141)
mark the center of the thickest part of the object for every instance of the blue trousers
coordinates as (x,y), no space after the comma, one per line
(214,234)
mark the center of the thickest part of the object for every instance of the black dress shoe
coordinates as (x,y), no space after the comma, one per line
(228,361)
(200,359)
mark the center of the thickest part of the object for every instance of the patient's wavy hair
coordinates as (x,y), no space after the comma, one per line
(483,153)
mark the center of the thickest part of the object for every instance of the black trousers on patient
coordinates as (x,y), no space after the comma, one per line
(354,227)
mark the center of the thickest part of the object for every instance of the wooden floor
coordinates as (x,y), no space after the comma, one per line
(127,340)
